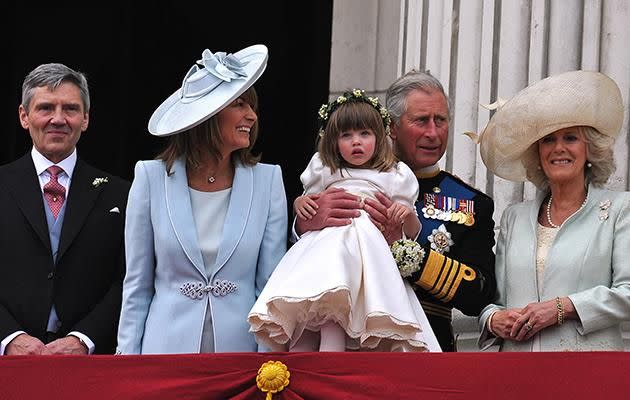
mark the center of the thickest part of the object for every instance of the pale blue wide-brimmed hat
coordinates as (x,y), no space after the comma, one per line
(211,84)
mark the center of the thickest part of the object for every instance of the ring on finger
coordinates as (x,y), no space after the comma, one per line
(528,326)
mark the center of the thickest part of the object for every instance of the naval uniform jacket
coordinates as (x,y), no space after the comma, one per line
(85,283)
(457,236)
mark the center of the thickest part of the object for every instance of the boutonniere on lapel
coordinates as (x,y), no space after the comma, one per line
(603,209)
(99,181)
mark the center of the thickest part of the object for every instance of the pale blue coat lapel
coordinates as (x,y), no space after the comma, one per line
(181,216)
(180,213)
(237,214)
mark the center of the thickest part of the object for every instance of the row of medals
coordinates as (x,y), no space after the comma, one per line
(461,217)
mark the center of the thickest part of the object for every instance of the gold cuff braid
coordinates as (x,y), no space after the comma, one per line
(442,276)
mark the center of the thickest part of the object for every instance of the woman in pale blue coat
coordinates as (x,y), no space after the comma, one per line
(206,223)
(562,266)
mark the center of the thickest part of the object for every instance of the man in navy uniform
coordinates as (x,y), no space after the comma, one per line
(457,269)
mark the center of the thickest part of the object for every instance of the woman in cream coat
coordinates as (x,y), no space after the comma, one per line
(206,223)
(563,275)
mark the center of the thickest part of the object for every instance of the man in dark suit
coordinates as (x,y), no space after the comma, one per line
(61,235)
(457,236)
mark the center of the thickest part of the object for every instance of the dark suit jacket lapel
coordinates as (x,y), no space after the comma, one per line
(79,202)
(23,185)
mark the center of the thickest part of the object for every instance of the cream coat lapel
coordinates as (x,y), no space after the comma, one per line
(180,213)
(579,248)
(237,214)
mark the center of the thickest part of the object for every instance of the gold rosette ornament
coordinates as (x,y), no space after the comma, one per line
(273,377)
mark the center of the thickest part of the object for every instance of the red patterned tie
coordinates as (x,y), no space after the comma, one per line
(54,192)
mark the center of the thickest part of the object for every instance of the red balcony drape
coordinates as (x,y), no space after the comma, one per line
(321,376)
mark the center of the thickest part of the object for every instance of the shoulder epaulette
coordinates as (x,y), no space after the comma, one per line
(467,185)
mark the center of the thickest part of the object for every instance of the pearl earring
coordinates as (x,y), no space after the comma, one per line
(589,165)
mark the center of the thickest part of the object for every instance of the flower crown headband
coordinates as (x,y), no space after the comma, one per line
(356,95)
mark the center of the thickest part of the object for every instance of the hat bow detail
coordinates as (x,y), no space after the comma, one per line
(218,67)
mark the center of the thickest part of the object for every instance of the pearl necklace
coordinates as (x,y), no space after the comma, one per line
(549,211)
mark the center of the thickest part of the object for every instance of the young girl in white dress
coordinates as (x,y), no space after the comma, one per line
(342,282)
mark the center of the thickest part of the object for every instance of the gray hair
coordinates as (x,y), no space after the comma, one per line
(396,96)
(599,153)
(52,75)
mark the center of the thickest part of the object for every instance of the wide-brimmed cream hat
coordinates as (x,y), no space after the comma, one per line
(576,98)
(211,84)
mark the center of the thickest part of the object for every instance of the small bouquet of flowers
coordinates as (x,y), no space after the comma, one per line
(408,255)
